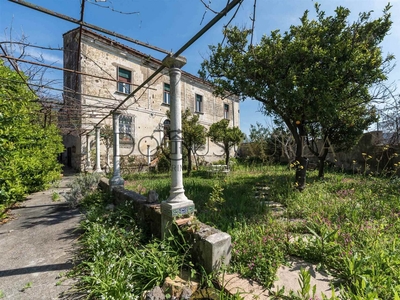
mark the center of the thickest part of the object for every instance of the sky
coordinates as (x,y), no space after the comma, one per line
(169,24)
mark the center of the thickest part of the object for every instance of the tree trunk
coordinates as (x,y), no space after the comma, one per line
(321,167)
(227,156)
(302,162)
(301,172)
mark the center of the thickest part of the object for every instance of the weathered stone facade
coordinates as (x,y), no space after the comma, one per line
(120,70)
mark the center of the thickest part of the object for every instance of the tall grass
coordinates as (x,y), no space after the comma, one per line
(347,223)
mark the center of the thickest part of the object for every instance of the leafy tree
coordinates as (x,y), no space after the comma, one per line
(259,137)
(390,120)
(318,72)
(28,151)
(193,133)
(228,137)
(275,144)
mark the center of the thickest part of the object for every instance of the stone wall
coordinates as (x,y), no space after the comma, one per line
(103,57)
(211,247)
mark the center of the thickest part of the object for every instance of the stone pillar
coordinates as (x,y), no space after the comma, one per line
(116,180)
(177,204)
(148,155)
(98,166)
(88,167)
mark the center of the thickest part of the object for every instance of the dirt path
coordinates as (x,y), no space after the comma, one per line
(36,246)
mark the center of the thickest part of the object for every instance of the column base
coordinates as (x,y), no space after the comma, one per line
(116,181)
(171,211)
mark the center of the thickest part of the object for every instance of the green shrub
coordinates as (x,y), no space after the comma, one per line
(28,149)
(82,186)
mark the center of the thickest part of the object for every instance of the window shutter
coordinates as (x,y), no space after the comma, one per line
(124,75)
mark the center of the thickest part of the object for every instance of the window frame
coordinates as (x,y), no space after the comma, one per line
(123,84)
(166,94)
(198,103)
(226,111)
(126,128)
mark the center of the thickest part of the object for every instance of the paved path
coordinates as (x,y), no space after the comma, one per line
(36,246)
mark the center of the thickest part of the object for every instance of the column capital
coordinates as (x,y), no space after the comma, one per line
(174,62)
(116,112)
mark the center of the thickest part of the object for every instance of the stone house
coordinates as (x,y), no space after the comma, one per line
(115,71)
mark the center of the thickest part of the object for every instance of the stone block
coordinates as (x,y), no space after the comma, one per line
(179,285)
(211,247)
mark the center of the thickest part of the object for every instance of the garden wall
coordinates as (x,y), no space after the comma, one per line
(370,154)
(210,247)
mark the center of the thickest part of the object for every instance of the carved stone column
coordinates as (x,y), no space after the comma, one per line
(88,166)
(98,166)
(177,204)
(116,180)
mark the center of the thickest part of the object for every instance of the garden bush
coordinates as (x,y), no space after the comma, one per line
(28,147)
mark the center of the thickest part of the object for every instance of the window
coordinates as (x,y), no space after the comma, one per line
(124,81)
(167,130)
(199,103)
(166,99)
(126,127)
(226,111)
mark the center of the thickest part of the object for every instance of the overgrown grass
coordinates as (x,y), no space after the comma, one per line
(117,260)
(349,224)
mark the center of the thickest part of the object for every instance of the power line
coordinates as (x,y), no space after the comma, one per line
(94,27)
(56,68)
(221,14)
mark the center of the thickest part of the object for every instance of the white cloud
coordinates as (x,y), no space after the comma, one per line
(48,57)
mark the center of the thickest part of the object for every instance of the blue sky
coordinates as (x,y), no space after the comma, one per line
(169,24)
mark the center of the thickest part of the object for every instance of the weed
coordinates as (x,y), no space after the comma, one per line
(26,286)
(55,196)
(83,185)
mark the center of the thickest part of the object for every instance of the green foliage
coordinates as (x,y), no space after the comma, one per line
(117,261)
(227,137)
(82,186)
(216,198)
(258,250)
(55,196)
(28,151)
(193,134)
(347,224)
(28,285)
(316,77)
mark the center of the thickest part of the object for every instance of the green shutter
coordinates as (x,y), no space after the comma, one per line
(124,74)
